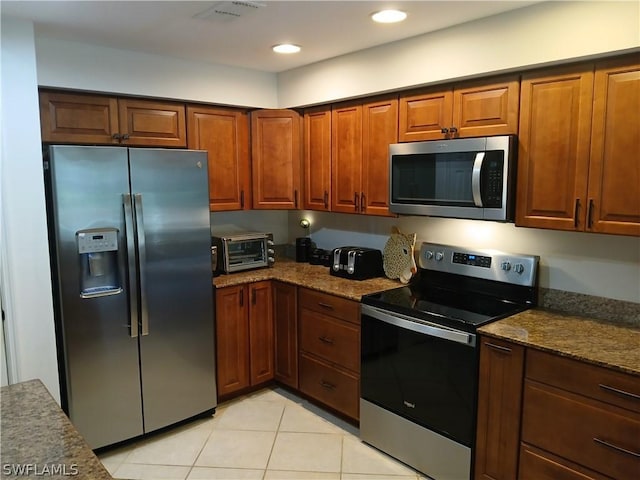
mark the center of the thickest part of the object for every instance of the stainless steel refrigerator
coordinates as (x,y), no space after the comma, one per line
(131,263)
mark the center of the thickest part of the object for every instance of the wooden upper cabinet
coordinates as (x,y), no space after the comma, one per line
(482,110)
(276,158)
(317,159)
(96,119)
(151,123)
(614,172)
(553,154)
(74,118)
(424,115)
(468,110)
(379,129)
(360,137)
(224,134)
(579,149)
(346,157)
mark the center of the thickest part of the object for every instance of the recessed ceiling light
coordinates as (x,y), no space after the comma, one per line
(388,16)
(286,48)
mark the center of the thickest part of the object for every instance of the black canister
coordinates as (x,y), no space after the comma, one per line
(303,249)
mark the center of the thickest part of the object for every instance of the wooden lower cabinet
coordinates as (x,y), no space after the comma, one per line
(536,464)
(244,337)
(499,403)
(329,335)
(584,414)
(285,312)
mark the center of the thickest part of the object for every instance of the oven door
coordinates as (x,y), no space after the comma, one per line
(422,372)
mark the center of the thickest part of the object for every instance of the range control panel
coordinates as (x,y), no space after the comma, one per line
(505,267)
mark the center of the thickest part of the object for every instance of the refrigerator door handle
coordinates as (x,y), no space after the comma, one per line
(142,261)
(131,265)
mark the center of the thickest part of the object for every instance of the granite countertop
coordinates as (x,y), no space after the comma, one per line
(594,341)
(316,277)
(38,440)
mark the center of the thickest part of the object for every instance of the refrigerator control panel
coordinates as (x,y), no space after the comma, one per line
(97,240)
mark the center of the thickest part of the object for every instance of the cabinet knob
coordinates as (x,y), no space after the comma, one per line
(453,130)
(444,130)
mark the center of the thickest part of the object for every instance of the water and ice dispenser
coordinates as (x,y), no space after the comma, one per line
(98,252)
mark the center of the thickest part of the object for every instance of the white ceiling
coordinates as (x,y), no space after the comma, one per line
(324,29)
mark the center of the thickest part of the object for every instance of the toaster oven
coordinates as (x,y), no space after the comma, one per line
(242,251)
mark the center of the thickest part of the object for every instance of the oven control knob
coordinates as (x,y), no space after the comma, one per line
(439,256)
(518,268)
(428,254)
(506,266)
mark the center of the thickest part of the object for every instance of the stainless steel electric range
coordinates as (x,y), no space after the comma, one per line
(419,354)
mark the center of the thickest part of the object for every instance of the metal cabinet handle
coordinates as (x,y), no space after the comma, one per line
(326,199)
(615,447)
(142,260)
(326,340)
(356,198)
(575,213)
(131,265)
(453,130)
(325,305)
(125,136)
(590,213)
(116,136)
(363,204)
(618,391)
(498,347)
(327,385)
(241,198)
(295,198)
(444,130)
(242,297)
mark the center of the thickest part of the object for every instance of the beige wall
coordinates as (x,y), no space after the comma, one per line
(541,34)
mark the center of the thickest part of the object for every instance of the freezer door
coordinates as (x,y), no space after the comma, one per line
(171,198)
(85,187)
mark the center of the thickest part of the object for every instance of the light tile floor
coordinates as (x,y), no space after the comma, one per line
(268,435)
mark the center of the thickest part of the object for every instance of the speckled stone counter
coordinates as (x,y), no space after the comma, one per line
(316,277)
(601,343)
(39,441)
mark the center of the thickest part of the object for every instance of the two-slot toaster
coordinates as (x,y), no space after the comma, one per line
(357,263)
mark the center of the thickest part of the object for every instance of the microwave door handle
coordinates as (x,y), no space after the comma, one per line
(475,179)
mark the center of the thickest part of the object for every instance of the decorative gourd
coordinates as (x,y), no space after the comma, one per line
(398,259)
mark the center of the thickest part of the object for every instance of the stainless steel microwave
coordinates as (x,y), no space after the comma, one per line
(235,252)
(463,178)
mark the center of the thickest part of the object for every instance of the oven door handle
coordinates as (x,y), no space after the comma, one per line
(408,323)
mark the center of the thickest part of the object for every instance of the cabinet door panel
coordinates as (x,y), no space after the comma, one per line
(614,175)
(152,123)
(499,402)
(232,339)
(261,332)
(537,464)
(276,158)
(346,158)
(379,129)
(286,333)
(423,116)
(68,118)
(482,110)
(224,134)
(553,160)
(317,159)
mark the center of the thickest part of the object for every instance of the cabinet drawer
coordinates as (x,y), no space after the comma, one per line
(600,437)
(539,465)
(334,388)
(333,340)
(330,305)
(600,383)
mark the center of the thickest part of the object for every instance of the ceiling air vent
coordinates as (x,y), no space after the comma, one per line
(228,11)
